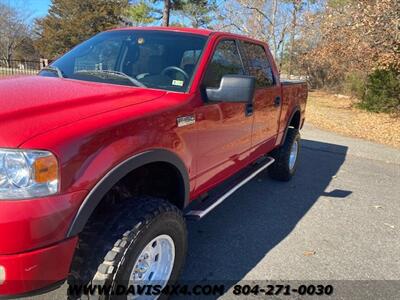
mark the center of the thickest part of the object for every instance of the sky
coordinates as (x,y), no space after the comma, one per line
(33,8)
(38,8)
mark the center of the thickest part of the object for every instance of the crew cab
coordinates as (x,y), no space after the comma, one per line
(108,151)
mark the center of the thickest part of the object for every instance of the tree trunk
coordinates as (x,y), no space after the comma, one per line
(9,56)
(166,12)
(273,28)
(292,38)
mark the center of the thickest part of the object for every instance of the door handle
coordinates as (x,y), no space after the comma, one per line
(249,109)
(277,101)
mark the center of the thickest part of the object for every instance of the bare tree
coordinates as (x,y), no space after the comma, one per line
(274,21)
(348,38)
(296,8)
(13,32)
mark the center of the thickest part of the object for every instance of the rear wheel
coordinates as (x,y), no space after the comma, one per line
(145,244)
(286,157)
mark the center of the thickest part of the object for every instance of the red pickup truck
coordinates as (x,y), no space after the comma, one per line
(106,153)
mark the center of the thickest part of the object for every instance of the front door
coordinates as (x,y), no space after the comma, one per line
(224,130)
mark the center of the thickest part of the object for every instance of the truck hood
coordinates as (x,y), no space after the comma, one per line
(33,105)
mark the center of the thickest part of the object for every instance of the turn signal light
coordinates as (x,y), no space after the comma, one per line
(45,169)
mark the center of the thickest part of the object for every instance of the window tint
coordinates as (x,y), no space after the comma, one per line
(189,60)
(258,65)
(190,57)
(154,59)
(225,61)
(101,56)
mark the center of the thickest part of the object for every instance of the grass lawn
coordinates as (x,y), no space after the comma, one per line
(339,114)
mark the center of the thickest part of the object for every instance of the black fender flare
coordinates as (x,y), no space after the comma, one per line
(295,110)
(116,174)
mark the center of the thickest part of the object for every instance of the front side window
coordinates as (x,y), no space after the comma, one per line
(258,65)
(153,59)
(225,61)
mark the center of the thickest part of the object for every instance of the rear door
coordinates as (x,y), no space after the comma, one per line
(267,100)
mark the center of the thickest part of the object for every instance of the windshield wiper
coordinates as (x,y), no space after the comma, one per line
(116,73)
(53,69)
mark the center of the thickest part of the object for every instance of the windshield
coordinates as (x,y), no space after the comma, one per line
(154,59)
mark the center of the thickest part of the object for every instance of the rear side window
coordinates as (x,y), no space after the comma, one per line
(225,61)
(257,64)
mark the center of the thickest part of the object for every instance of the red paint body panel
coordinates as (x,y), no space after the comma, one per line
(89,148)
(35,105)
(38,269)
(294,97)
(92,127)
(198,31)
(31,224)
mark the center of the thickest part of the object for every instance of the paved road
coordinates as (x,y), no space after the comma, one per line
(337,219)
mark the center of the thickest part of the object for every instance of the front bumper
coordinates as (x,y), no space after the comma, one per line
(37,269)
(34,251)
(36,223)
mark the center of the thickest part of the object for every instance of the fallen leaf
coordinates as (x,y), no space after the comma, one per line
(350,120)
(309,253)
(378,207)
(389,225)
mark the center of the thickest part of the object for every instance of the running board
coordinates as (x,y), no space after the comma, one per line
(217,196)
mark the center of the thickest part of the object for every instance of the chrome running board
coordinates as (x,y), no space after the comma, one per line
(212,202)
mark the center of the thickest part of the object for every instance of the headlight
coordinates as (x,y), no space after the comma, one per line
(27,174)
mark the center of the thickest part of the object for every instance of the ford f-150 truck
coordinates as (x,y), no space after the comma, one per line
(106,153)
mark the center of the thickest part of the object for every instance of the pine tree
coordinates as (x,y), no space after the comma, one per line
(199,12)
(69,22)
(140,13)
(168,6)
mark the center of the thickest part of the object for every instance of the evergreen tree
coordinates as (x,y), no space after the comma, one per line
(168,6)
(69,22)
(140,13)
(199,12)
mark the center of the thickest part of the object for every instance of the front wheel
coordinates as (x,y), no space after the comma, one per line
(286,157)
(147,246)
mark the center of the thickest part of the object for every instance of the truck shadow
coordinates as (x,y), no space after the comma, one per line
(230,241)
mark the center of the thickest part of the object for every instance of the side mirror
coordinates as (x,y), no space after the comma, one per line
(233,88)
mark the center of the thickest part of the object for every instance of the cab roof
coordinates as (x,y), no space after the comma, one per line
(205,32)
(198,31)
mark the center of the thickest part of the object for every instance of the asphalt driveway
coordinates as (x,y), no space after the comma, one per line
(338,219)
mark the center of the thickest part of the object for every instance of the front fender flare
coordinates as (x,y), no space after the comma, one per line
(116,174)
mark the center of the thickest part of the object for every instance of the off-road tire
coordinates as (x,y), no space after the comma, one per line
(280,169)
(108,248)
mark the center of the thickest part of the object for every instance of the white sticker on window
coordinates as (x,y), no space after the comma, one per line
(177,82)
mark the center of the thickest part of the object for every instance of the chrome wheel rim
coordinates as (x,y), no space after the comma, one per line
(154,264)
(293,155)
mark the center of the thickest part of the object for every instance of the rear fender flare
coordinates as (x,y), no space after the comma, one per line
(295,110)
